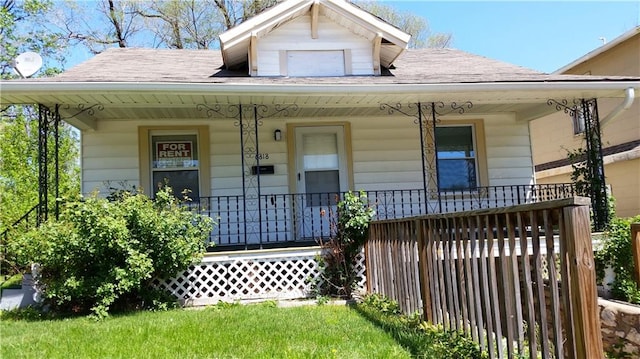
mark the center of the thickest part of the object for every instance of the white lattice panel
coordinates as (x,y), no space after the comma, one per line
(249,275)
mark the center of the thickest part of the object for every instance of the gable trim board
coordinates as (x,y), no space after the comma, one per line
(235,42)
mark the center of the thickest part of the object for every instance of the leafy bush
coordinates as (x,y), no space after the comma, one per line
(104,254)
(424,340)
(340,252)
(616,253)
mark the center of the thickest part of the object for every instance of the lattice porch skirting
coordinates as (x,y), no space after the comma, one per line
(251,275)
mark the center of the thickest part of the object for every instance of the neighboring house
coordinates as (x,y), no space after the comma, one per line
(553,136)
(306,100)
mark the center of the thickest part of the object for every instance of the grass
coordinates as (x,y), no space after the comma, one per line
(253,331)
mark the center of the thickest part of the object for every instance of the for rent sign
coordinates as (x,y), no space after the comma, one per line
(174,153)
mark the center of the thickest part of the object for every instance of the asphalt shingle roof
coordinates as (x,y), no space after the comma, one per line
(419,66)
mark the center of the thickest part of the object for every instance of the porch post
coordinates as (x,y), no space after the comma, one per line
(46,119)
(595,164)
(43,189)
(56,135)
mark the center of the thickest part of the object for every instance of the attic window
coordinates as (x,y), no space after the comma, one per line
(315,63)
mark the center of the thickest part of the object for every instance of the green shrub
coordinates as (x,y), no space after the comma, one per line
(103,254)
(424,340)
(616,253)
(339,253)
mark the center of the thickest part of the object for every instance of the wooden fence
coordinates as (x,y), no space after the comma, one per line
(519,280)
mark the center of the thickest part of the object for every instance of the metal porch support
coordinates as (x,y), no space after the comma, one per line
(595,163)
(249,118)
(248,124)
(596,187)
(48,125)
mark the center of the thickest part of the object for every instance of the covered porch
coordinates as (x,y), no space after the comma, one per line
(249,174)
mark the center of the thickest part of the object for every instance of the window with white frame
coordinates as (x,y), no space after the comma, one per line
(457,158)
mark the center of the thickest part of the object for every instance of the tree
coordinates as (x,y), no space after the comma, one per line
(111,22)
(417,26)
(24,29)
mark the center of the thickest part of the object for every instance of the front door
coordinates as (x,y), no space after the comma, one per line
(321,175)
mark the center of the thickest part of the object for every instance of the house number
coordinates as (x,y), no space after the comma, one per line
(262,156)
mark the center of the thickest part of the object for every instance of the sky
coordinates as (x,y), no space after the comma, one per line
(541,35)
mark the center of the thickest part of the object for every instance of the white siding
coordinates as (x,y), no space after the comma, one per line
(296,35)
(508,151)
(385,151)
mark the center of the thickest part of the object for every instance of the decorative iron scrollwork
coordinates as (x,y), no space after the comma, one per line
(82,108)
(563,105)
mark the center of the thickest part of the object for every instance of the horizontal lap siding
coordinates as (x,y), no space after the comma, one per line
(508,151)
(385,151)
(110,157)
(296,35)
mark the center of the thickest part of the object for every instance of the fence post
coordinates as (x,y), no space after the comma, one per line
(582,283)
(423,273)
(635,249)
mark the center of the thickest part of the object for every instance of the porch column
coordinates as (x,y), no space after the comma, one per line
(595,164)
(590,163)
(46,119)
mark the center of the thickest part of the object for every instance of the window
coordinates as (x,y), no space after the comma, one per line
(174,162)
(457,158)
(577,118)
(176,156)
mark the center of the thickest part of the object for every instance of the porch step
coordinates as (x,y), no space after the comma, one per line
(17,298)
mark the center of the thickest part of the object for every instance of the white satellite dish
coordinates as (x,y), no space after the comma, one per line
(27,64)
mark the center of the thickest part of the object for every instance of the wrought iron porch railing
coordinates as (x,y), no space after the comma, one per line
(303,218)
(27,221)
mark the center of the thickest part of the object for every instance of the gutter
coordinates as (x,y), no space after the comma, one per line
(623,106)
(46,88)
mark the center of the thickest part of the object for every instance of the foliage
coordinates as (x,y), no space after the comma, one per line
(424,340)
(102,255)
(580,175)
(616,253)
(418,27)
(339,252)
(23,28)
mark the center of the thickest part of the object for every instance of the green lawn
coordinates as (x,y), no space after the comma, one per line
(253,331)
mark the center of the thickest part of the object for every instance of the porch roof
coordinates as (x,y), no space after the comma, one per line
(156,84)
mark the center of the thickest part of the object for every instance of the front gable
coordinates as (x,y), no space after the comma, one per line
(313,38)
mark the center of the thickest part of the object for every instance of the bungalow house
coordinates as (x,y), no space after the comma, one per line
(309,99)
(552,136)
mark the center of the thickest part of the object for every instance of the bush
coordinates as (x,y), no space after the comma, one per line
(340,252)
(424,340)
(616,253)
(104,254)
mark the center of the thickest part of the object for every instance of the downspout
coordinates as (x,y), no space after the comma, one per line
(626,103)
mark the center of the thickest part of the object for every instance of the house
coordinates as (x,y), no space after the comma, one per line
(305,101)
(554,135)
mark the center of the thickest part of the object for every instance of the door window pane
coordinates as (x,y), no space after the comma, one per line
(322,187)
(456,158)
(320,151)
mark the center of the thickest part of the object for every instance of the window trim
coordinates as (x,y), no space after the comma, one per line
(144,155)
